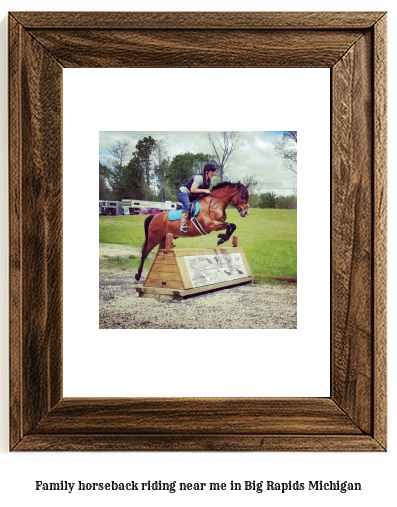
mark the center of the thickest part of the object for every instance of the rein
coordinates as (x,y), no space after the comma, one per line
(238,207)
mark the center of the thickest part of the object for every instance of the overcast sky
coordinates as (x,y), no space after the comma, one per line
(257,157)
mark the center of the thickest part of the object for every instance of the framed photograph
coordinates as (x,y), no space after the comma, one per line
(353,46)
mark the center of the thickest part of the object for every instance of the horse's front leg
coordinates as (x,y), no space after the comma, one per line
(230,228)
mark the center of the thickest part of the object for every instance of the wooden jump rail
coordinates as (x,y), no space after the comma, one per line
(184,272)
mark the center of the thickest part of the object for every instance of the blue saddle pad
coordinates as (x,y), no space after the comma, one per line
(175,214)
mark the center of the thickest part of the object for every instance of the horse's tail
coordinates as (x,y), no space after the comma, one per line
(146,224)
(143,253)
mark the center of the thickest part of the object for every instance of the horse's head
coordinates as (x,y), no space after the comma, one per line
(240,200)
(235,193)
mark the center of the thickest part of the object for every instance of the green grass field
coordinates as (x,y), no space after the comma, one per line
(268,236)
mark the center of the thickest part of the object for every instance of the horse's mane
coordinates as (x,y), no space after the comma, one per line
(241,188)
(223,184)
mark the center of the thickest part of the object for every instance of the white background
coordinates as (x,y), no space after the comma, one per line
(19,471)
(212,362)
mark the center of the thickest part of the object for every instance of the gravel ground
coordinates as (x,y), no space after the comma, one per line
(256,306)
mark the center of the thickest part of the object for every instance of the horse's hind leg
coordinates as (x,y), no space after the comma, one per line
(143,257)
(147,248)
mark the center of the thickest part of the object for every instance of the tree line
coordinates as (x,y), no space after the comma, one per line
(270,200)
(148,172)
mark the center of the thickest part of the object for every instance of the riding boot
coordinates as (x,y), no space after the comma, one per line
(183,228)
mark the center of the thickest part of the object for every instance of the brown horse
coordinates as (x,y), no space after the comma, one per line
(211,217)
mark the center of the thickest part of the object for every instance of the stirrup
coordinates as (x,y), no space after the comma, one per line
(183,227)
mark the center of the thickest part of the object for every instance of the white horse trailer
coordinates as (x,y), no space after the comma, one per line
(110,208)
(133,206)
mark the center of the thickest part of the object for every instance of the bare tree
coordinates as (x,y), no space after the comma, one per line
(250,179)
(118,158)
(161,162)
(119,153)
(223,144)
(287,149)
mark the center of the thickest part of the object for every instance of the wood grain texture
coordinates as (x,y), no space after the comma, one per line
(160,267)
(380,229)
(196,48)
(197,416)
(15,226)
(36,231)
(353,45)
(352,232)
(204,443)
(170,284)
(151,289)
(201,20)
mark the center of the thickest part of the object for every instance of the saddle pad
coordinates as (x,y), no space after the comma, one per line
(175,214)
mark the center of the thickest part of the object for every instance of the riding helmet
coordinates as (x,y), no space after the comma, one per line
(209,167)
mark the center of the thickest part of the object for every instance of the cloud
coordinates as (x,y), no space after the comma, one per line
(256,157)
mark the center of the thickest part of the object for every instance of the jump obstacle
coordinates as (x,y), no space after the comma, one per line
(182,272)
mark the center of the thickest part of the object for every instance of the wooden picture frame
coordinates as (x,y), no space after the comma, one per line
(353,46)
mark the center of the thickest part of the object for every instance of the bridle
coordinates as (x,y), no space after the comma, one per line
(237,206)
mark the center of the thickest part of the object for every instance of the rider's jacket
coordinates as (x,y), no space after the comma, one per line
(205,184)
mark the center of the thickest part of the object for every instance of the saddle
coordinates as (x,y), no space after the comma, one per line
(175,214)
(192,211)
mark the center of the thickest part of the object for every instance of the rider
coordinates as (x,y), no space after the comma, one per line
(198,184)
